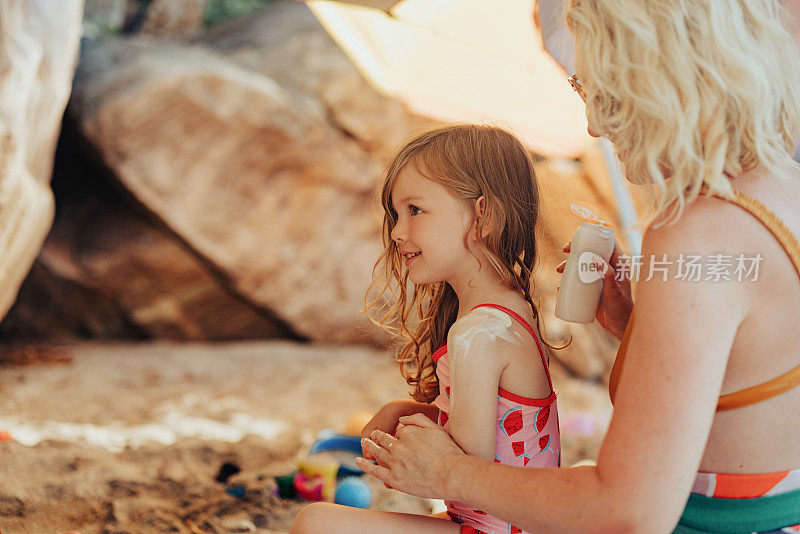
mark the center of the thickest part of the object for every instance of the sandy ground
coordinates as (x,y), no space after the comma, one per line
(129,438)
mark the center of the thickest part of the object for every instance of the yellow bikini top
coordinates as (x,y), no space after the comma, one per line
(773,387)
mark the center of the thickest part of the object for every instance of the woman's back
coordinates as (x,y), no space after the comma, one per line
(761,437)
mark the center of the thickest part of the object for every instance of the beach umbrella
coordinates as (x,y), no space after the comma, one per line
(463,60)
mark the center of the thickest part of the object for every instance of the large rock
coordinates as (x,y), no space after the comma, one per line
(109,271)
(106,271)
(252,170)
(174,19)
(287,43)
(156,283)
(38,51)
(101,17)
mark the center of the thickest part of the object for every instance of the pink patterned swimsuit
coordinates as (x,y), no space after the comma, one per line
(526,434)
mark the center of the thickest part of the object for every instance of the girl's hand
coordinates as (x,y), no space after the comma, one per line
(615,303)
(384,420)
(417,461)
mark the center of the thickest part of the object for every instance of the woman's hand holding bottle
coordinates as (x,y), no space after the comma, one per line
(615,303)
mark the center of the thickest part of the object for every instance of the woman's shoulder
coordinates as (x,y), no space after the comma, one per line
(705,254)
(713,222)
(707,225)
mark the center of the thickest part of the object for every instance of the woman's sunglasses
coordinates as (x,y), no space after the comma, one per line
(573,81)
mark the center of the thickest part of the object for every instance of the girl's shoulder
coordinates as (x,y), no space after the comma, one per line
(486,331)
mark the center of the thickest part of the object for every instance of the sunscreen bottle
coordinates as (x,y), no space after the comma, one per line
(582,280)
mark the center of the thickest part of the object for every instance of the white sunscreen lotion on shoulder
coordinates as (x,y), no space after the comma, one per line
(582,280)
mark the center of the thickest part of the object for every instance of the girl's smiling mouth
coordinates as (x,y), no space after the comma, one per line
(410,256)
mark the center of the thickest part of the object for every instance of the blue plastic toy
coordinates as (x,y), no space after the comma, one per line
(338,442)
(352,491)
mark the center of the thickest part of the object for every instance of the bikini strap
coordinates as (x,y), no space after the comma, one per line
(778,228)
(524,323)
(790,245)
(760,392)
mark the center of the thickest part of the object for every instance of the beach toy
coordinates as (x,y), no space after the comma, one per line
(345,449)
(352,491)
(330,456)
(5,435)
(326,433)
(285,486)
(309,487)
(357,422)
(321,465)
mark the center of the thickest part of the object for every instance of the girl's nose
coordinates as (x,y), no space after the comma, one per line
(398,233)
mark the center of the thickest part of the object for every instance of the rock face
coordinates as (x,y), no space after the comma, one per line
(155,282)
(107,271)
(264,182)
(174,19)
(38,51)
(101,17)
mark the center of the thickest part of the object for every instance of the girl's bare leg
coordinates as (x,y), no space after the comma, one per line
(335,519)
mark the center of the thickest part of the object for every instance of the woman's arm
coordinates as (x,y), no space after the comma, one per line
(664,409)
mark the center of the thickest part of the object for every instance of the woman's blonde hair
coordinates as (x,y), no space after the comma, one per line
(689,91)
(469,161)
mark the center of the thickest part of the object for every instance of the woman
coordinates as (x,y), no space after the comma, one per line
(700,98)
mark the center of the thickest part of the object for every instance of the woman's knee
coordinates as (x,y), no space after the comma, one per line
(313,518)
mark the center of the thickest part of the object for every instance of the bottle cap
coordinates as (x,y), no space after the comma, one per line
(588,213)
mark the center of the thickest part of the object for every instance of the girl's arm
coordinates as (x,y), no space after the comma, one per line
(409,407)
(664,410)
(476,363)
(387,417)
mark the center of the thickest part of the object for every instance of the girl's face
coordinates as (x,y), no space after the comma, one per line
(433,223)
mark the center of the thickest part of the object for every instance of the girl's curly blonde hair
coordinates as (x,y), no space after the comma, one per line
(469,161)
(689,91)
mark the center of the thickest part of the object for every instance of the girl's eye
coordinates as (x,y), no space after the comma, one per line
(411,208)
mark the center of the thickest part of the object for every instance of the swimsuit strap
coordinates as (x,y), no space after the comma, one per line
(768,389)
(788,241)
(524,323)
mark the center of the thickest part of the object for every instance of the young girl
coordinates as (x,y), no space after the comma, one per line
(461,204)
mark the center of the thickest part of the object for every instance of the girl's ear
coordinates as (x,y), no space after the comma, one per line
(480,214)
